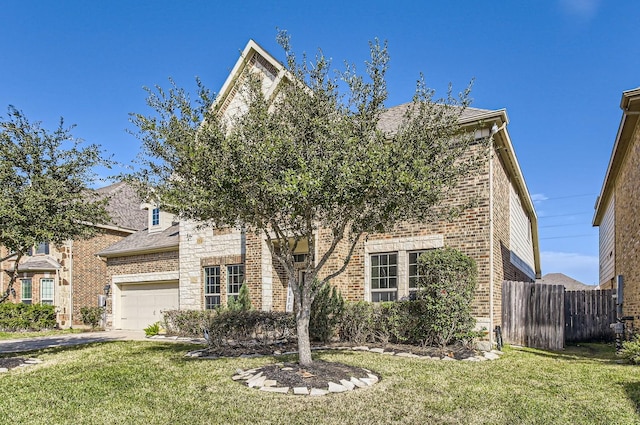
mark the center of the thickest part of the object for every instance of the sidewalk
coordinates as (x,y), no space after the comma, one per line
(39,343)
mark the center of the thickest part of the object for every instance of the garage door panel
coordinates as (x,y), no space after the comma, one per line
(142,304)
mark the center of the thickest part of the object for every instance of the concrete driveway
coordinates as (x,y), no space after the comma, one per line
(39,343)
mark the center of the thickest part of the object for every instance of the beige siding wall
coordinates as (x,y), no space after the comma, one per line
(607,245)
(520,238)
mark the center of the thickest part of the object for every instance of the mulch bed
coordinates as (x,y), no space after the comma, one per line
(456,351)
(316,375)
(11,362)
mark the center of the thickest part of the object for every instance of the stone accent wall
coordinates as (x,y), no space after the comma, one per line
(82,275)
(196,246)
(627,225)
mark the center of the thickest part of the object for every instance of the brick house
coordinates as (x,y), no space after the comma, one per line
(206,266)
(70,276)
(617,206)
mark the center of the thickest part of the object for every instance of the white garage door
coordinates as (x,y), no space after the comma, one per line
(142,304)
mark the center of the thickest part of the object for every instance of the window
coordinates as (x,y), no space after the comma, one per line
(155,216)
(414,273)
(43,248)
(46,291)
(235,276)
(384,277)
(26,291)
(211,287)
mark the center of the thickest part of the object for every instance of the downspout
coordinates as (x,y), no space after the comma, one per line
(71,284)
(494,130)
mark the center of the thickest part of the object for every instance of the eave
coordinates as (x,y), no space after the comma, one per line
(630,105)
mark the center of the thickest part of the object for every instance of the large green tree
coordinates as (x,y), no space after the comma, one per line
(44,195)
(312,156)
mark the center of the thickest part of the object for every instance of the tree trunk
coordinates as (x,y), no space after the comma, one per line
(302,325)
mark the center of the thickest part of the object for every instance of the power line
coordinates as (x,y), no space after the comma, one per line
(565,215)
(568,237)
(561,225)
(566,197)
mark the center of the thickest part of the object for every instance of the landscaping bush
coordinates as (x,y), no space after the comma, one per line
(326,313)
(242,302)
(91,316)
(631,350)
(26,317)
(357,323)
(153,329)
(446,287)
(186,323)
(238,327)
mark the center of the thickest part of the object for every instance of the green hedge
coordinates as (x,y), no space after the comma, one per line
(26,317)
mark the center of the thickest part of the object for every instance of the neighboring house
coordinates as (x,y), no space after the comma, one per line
(618,206)
(202,268)
(569,283)
(70,276)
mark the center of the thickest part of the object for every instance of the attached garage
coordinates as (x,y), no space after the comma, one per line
(142,304)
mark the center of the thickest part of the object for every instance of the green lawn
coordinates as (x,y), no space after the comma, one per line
(23,335)
(153,383)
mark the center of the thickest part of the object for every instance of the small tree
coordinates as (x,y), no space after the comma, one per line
(44,196)
(242,302)
(446,285)
(305,159)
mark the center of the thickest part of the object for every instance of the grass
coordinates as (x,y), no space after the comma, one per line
(23,335)
(152,382)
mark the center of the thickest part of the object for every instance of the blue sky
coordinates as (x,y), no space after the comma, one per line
(558,67)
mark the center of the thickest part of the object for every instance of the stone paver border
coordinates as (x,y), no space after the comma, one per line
(253,378)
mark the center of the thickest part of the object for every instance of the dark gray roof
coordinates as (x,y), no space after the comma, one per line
(38,263)
(391,119)
(124,206)
(143,241)
(570,284)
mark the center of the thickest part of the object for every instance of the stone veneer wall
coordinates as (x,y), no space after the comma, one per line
(627,226)
(206,246)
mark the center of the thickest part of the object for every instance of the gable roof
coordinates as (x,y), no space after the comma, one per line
(630,105)
(143,242)
(569,283)
(38,263)
(123,207)
(254,55)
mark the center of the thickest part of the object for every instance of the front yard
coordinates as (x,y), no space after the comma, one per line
(153,383)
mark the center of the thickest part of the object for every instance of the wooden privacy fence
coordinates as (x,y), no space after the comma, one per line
(533,315)
(588,314)
(546,316)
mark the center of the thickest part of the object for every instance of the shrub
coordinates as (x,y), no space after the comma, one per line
(91,316)
(326,312)
(631,350)
(26,317)
(153,329)
(357,323)
(242,302)
(186,323)
(446,286)
(238,327)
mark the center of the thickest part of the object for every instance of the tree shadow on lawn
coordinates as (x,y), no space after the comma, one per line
(633,392)
(601,352)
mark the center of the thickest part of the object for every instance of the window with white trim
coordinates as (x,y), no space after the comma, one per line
(26,291)
(46,291)
(211,287)
(384,277)
(235,277)
(155,216)
(414,272)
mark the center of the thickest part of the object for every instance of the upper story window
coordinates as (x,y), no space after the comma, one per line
(384,277)
(155,217)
